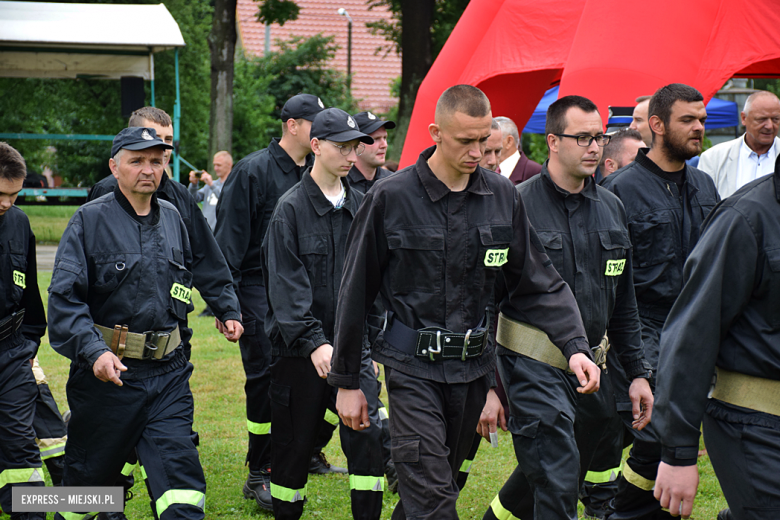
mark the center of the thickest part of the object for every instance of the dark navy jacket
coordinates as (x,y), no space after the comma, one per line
(303,259)
(359,183)
(586,237)
(427,250)
(727,315)
(246,204)
(112,269)
(19,281)
(664,226)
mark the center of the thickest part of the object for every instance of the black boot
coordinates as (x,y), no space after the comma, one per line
(111,516)
(258,487)
(319,465)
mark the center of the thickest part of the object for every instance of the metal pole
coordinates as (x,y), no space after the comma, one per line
(267,49)
(176,119)
(349,55)
(151,66)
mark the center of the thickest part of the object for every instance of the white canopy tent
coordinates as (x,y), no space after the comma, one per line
(89,41)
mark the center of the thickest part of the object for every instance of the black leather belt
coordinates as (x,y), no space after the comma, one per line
(434,343)
(11,324)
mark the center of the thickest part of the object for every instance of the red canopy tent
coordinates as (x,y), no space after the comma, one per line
(623,50)
(512,49)
(610,51)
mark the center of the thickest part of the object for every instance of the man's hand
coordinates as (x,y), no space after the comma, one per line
(321,359)
(641,402)
(193,177)
(492,416)
(675,488)
(232,330)
(352,408)
(108,368)
(587,372)
(205,177)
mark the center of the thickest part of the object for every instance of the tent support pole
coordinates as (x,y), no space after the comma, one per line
(151,68)
(176,119)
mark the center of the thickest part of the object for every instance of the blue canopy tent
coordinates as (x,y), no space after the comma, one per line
(720,113)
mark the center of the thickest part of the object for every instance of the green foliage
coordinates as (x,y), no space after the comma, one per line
(263,86)
(535,147)
(446,15)
(277,11)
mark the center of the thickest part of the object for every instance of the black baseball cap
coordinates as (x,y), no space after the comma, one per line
(137,138)
(369,123)
(302,106)
(336,125)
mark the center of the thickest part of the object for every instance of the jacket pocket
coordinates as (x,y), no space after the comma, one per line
(653,243)
(773,295)
(281,414)
(110,270)
(18,262)
(553,246)
(314,255)
(416,260)
(614,248)
(492,252)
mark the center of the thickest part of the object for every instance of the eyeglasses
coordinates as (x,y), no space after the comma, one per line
(585,140)
(346,150)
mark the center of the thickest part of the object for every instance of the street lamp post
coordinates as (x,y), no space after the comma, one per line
(343,12)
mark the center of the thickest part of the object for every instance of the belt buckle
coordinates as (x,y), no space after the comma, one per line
(150,343)
(431,352)
(465,345)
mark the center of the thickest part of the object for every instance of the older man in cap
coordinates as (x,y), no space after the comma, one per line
(121,285)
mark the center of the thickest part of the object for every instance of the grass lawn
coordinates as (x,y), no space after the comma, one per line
(220,419)
(48,222)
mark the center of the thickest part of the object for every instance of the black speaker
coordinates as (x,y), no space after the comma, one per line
(133,95)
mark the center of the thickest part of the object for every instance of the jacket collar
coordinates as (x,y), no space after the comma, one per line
(657,172)
(284,161)
(588,191)
(128,208)
(320,202)
(437,190)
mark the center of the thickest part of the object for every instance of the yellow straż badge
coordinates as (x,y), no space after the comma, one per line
(20,279)
(615,267)
(181,293)
(496,257)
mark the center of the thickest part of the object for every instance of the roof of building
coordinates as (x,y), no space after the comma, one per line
(372,72)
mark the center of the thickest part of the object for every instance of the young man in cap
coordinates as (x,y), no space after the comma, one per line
(368,168)
(244,210)
(22,324)
(431,240)
(303,258)
(120,287)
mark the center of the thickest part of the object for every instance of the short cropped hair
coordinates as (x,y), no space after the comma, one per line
(556,114)
(152,114)
(224,153)
(755,95)
(663,99)
(508,127)
(615,145)
(12,165)
(642,99)
(494,125)
(465,99)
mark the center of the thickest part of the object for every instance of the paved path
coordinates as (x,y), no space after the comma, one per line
(45,257)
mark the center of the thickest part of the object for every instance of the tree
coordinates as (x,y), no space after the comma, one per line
(222,47)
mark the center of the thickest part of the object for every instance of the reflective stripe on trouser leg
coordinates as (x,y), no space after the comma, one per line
(258,428)
(21,475)
(53,450)
(180,496)
(466,466)
(634,478)
(78,516)
(331,417)
(500,512)
(602,477)
(286,494)
(366,483)
(128,469)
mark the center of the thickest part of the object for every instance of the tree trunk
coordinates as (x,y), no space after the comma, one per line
(416,48)
(222,45)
